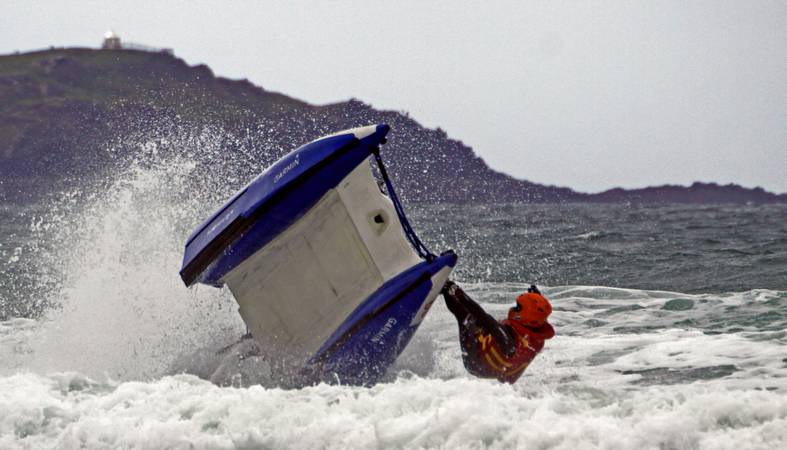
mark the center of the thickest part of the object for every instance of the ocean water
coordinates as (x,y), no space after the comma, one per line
(671,330)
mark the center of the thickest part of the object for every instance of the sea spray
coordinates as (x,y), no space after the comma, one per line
(183,411)
(114,302)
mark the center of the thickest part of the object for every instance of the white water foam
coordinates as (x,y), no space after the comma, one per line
(592,387)
(120,309)
(70,411)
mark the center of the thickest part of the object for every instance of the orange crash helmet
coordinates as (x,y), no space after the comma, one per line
(532,309)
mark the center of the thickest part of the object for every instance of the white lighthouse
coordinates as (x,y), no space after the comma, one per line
(111,41)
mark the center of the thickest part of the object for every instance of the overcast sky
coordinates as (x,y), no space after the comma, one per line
(589,95)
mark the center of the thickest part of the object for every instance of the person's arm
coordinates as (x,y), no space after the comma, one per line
(482,318)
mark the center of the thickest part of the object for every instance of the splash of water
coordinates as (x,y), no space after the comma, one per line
(110,251)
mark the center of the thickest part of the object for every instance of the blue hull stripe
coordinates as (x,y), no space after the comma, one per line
(354,324)
(271,203)
(281,211)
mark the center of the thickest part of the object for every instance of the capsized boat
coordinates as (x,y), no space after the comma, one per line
(329,276)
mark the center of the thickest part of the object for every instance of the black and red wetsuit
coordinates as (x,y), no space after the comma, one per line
(492,349)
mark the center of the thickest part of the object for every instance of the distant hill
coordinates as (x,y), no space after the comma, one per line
(66,114)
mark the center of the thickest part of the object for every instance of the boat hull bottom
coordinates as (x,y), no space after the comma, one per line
(365,350)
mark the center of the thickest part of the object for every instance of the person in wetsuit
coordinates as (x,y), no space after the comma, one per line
(504,349)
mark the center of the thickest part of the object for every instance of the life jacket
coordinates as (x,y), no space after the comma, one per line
(492,362)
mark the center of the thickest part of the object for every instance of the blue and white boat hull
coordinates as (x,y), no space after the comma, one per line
(327,279)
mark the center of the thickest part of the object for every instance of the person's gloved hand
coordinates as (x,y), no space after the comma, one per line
(533,289)
(449,288)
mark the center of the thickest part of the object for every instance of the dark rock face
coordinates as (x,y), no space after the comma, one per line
(64,114)
(696,193)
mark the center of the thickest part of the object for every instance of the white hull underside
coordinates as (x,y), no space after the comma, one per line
(296,291)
